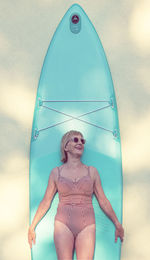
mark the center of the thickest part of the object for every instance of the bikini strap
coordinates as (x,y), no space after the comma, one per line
(89,170)
(58,172)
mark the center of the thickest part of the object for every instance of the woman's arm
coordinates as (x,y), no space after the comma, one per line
(105,204)
(44,206)
(46,201)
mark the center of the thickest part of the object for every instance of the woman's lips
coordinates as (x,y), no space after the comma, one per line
(78,147)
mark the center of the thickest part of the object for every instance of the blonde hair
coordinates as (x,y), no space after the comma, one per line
(64,141)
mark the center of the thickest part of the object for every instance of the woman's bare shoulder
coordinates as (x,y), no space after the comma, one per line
(54,173)
(93,171)
(92,168)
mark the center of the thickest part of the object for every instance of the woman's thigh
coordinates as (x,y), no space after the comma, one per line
(64,241)
(85,243)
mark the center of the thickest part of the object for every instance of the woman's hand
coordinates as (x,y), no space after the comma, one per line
(119,232)
(31,236)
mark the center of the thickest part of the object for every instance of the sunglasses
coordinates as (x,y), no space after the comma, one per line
(76,140)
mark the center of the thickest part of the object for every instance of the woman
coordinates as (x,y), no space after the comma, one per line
(75,219)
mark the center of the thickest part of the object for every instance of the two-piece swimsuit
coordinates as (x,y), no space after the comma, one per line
(75,207)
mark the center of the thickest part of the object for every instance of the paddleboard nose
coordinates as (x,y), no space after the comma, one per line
(75,23)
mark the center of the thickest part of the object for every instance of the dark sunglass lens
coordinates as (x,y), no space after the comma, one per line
(82,141)
(76,139)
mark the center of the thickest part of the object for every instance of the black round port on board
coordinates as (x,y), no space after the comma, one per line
(75,19)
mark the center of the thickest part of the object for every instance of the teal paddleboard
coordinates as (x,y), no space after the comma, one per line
(76,92)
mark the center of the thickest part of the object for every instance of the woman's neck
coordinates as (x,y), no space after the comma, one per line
(73,162)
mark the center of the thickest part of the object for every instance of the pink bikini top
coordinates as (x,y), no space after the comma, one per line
(77,192)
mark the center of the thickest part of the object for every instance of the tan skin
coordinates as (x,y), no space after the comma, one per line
(85,240)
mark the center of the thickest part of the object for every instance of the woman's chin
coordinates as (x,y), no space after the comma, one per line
(79,153)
